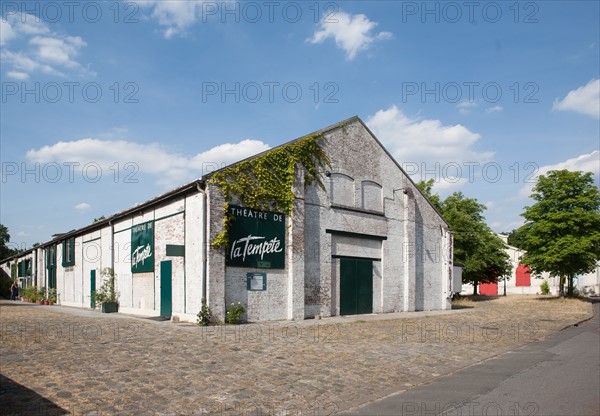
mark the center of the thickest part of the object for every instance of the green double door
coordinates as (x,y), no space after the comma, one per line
(356,286)
(166,288)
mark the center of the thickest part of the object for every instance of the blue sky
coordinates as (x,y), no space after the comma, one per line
(108,104)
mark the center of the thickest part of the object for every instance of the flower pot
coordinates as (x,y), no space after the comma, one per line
(39,302)
(46,302)
(110,307)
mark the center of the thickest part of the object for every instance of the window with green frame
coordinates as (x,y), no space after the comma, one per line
(51,256)
(68,252)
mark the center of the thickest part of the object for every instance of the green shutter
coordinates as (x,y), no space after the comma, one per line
(68,246)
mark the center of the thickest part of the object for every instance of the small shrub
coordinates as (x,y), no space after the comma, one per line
(234,313)
(107,292)
(204,316)
(545,288)
(30,292)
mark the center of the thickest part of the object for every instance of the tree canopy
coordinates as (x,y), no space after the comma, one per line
(5,251)
(561,234)
(476,246)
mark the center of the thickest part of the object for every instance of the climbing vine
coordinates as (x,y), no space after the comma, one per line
(265,182)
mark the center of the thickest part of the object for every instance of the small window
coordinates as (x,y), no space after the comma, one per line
(21,268)
(68,252)
(51,256)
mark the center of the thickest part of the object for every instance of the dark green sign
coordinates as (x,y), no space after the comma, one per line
(142,247)
(256,239)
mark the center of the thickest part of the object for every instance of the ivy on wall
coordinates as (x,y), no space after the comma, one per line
(265,182)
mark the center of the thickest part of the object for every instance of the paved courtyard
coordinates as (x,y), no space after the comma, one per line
(57,360)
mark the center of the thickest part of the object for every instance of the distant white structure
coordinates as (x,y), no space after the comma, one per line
(522,282)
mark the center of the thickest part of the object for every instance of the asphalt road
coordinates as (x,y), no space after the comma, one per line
(559,375)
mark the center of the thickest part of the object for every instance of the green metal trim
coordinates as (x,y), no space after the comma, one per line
(93,239)
(157,219)
(337,256)
(356,235)
(120,231)
(169,216)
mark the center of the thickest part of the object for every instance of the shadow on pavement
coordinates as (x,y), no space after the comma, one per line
(17,399)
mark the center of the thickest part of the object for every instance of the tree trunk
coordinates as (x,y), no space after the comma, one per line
(475,288)
(561,286)
(570,286)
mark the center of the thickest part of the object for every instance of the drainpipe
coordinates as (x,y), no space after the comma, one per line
(184,256)
(205,242)
(112,245)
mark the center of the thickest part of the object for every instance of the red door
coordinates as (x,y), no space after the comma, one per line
(523,275)
(488,288)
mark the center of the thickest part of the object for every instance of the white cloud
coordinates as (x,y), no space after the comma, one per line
(427,148)
(465,107)
(17,75)
(352,33)
(41,50)
(26,65)
(23,234)
(153,158)
(227,153)
(83,206)
(416,140)
(495,109)
(7,33)
(589,162)
(58,51)
(176,16)
(585,100)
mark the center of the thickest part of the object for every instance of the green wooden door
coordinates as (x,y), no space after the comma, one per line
(356,286)
(166,288)
(93,289)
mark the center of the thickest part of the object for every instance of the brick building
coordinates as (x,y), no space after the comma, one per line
(367,242)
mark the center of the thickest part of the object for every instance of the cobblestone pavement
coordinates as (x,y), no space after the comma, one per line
(60,361)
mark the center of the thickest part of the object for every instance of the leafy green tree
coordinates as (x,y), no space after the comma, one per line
(5,251)
(427,189)
(475,244)
(561,234)
(515,238)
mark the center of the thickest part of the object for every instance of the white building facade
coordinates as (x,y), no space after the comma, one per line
(522,282)
(368,242)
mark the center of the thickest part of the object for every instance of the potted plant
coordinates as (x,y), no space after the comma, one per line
(41,296)
(51,296)
(26,294)
(106,296)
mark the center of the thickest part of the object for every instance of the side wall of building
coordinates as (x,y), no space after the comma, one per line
(178,223)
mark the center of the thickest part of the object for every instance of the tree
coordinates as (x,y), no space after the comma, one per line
(5,251)
(561,234)
(475,244)
(515,238)
(427,189)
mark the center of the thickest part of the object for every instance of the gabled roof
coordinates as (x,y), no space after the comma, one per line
(325,130)
(199,184)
